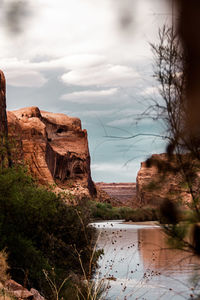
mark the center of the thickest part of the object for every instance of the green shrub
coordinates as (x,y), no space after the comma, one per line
(40,232)
(105,211)
(141,215)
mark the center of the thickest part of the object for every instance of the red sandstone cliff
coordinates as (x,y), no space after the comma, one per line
(55,148)
(153,186)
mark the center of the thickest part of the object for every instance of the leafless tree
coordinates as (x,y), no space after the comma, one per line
(184,138)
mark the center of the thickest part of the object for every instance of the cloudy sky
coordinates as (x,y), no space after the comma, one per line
(90,59)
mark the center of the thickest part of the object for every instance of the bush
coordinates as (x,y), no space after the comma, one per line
(105,211)
(40,232)
(141,215)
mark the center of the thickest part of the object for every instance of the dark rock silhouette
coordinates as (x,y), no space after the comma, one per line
(4,124)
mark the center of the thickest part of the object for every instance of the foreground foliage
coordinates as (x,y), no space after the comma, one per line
(41,233)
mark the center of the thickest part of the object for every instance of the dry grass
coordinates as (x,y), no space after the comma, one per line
(3,267)
(4,294)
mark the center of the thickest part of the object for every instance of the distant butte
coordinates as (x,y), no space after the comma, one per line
(122,194)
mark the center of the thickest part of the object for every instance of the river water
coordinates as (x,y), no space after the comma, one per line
(138,264)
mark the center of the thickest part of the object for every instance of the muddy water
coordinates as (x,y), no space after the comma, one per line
(138,264)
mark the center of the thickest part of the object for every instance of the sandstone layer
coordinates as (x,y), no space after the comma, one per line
(121,194)
(55,148)
(153,186)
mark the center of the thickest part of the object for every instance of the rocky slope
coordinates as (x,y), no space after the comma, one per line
(55,148)
(121,194)
(154,186)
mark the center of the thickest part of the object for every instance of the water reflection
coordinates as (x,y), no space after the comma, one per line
(138,264)
(156,253)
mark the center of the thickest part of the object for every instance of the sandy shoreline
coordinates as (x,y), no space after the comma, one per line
(142,223)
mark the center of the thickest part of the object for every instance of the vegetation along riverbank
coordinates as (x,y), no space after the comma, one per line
(105,211)
(48,243)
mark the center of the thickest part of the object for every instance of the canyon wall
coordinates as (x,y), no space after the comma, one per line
(55,148)
(153,186)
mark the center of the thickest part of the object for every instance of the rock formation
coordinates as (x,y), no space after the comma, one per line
(14,290)
(55,148)
(121,194)
(154,186)
(3,124)
(3,118)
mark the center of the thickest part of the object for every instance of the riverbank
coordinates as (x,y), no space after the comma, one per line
(105,211)
(44,239)
(150,223)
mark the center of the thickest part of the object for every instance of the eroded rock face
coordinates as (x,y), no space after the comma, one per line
(54,146)
(152,186)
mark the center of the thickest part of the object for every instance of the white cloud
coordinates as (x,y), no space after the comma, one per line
(80,61)
(103,75)
(57,28)
(66,62)
(82,70)
(25,78)
(15,67)
(150,91)
(85,26)
(88,96)
(22,73)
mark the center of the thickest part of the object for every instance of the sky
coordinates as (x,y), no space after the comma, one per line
(90,59)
